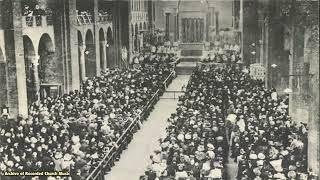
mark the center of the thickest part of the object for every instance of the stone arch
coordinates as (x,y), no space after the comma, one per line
(3,79)
(48,67)
(31,63)
(193,5)
(90,55)
(144,26)
(110,36)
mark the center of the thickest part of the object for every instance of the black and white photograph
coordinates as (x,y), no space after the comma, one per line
(159,90)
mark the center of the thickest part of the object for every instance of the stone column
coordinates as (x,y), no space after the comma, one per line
(291,68)
(260,37)
(167,25)
(96,37)
(212,16)
(73,57)
(178,27)
(212,22)
(266,54)
(82,49)
(16,76)
(241,30)
(217,22)
(175,24)
(104,54)
(35,69)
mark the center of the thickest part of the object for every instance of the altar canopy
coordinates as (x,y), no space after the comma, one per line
(193,21)
(192,30)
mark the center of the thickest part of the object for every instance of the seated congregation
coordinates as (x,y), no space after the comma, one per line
(226,105)
(223,54)
(75,131)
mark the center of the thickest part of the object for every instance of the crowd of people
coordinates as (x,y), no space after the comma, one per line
(36,11)
(147,59)
(227,53)
(195,146)
(73,133)
(227,103)
(266,143)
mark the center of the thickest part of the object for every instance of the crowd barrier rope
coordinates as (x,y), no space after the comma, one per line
(109,159)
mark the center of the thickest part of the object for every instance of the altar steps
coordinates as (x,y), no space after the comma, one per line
(185,68)
(189,56)
(191,52)
(190,59)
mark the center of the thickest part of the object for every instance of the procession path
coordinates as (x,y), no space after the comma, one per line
(135,159)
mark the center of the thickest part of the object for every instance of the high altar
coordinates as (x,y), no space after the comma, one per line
(193,21)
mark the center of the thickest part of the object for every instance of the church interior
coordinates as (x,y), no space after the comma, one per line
(159,90)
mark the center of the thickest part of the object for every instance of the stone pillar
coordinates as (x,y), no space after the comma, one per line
(241,30)
(217,22)
(82,49)
(73,58)
(212,22)
(262,42)
(291,68)
(266,54)
(178,27)
(175,24)
(167,25)
(212,16)
(260,37)
(96,37)
(35,69)
(314,121)
(16,77)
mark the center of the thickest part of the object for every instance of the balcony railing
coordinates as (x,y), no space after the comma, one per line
(140,16)
(105,18)
(84,20)
(37,21)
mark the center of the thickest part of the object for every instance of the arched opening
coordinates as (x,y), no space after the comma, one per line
(136,42)
(31,63)
(102,46)
(80,54)
(140,27)
(144,26)
(110,49)
(3,79)
(90,55)
(48,68)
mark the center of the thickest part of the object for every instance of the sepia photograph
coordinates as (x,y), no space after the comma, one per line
(159,90)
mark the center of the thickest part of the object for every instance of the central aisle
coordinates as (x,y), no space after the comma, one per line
(135,159)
